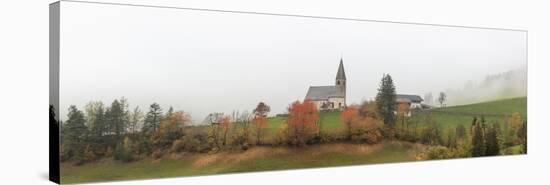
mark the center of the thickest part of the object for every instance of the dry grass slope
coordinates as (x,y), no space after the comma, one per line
(254,159)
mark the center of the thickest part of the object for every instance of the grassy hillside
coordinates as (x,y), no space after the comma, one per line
(496,108)
(447,117)
(493,112)
(255,159)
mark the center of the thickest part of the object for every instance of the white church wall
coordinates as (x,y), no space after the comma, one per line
(338,102)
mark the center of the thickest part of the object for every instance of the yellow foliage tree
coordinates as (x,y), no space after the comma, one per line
(515,121)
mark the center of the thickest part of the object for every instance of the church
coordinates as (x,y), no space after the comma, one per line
(332,97)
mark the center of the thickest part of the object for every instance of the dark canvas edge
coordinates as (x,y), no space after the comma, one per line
(54,49)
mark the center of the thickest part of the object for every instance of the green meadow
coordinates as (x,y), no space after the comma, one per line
(446,117)
(493,112)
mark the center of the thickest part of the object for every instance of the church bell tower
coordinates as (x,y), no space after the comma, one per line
(341,79)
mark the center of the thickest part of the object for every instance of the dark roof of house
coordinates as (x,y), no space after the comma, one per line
(341,74)
(412,98)
(324,92)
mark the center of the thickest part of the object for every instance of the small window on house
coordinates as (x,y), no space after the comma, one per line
(337,82)
(339,105)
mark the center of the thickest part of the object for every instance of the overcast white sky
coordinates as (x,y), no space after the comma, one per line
(202,62)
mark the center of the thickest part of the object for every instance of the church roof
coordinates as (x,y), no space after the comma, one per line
(324,92)
(341,74)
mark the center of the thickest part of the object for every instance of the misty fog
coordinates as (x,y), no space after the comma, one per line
(203,62)
(509,84)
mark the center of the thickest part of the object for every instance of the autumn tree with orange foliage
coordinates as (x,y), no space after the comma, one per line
(225,125)
(515,122)
(360,128)
(369,130)
(259,123)
(171,129)
(350,117)
(302,122)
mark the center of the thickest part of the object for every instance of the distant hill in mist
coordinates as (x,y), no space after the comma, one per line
(496,86)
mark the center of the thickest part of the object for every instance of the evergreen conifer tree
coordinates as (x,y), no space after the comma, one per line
(385,100)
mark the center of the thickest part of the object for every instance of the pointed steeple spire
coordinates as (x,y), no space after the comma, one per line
(341,75)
